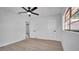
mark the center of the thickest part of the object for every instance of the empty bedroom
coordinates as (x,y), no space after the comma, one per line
(38,29)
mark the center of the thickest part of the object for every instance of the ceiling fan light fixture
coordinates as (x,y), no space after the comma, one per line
(28,13)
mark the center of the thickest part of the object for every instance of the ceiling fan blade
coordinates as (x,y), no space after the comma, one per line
(29,8)
(33,8)
(34,13)
(21,12)
(24,8)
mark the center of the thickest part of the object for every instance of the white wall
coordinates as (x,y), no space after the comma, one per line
(12,27)
(70,40)
(44,28)
(59,27)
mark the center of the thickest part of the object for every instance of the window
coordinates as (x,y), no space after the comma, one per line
(71,19)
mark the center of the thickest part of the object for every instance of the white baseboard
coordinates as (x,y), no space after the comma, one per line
(26,38)
(47,38)
(10,43)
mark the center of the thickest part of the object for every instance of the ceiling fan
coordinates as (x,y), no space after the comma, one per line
(29,11)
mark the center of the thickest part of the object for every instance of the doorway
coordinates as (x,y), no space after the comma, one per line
(27,30)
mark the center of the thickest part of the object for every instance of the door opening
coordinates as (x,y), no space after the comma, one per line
(27,30)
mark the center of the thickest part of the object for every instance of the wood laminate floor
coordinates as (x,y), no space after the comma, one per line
(34,45)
